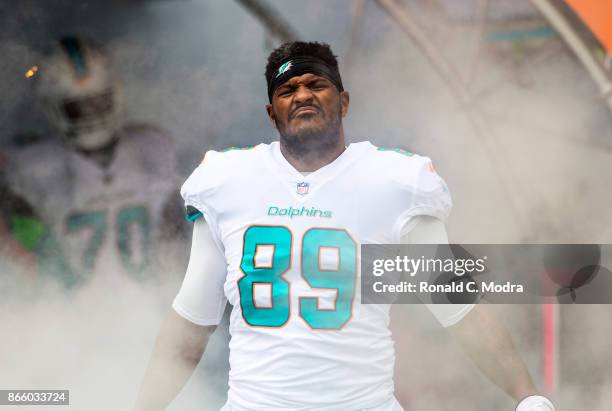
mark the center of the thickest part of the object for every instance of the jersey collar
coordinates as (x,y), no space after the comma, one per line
(318,178)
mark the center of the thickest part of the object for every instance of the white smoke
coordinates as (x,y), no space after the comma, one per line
(200,75)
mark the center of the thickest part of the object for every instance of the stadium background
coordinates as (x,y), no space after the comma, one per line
(535,169)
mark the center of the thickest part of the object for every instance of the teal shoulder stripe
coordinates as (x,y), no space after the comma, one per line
(396,150)
(225,150)
(191,217)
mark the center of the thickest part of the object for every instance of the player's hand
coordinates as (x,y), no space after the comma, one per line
(535,403)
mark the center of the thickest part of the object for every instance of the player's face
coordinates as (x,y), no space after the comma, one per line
(308,106)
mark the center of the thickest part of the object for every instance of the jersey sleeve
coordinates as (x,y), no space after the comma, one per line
(198,191)
(201,298)
(428,230)
(32,174)
(424,192)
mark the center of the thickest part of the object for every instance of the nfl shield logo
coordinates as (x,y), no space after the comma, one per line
(302,188)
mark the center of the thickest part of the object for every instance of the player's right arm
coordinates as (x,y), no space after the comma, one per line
(178,349)
(184,334)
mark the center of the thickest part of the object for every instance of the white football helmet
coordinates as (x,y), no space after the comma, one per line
(80,93)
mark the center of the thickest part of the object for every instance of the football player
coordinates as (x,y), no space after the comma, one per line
(97,197)
(277,232)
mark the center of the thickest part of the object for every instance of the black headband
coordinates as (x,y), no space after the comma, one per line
(301,65)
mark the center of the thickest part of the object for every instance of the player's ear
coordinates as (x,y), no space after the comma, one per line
(271,115)
(344,102)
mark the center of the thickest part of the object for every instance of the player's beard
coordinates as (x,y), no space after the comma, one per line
(311,142)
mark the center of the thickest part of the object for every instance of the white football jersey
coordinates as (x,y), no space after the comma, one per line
(103,221)
(301,339)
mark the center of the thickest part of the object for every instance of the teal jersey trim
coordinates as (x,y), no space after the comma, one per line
(396,150)
(193,216)
(225,150)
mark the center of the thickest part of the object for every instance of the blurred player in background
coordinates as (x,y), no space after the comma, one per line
(99,197)
(277,229)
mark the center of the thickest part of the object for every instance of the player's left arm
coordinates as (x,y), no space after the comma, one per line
(489,345)
(480,333)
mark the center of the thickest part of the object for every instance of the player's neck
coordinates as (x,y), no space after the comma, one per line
(102,156)
(310,158)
